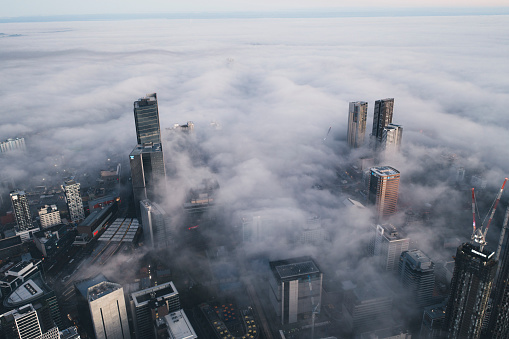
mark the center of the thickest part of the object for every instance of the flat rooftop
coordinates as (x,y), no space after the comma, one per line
(419,259)
(292,268)
(27,291)
(384,170)
(147,148)
(164,290)
(180,326)
(148,100)
(100,290)
(83,285)
(121,231)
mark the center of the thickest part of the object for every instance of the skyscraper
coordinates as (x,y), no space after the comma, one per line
(71,189)
(383,190)
(21,210)
(417,275)
(12,145)
(382,117)
(357,116)
(146,118)
(471,284)
(391,139)
(387,246)
(147,173)
(102,306)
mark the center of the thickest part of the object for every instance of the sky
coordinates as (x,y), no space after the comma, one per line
(275,87)
(61,7)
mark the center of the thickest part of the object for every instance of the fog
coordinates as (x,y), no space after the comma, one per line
(274,87)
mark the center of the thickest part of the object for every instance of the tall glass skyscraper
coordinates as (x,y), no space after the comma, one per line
(146,118)
(383,190)
(382,117)
(357,116)
(71,189)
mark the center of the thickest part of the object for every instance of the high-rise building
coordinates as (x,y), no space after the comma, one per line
(25,323)
(387,247)
(357,116)
(391,139)
(146,118)
(295,288)
(21,210)
(102,306)
(471,284)
(417,275)
(147,173)
(71,189)
(151,304)
(49,216)
(433,322)
(12,145)
(383,190)
(499,319)
(382,117)
(155,223)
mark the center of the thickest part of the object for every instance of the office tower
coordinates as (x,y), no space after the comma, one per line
(49,216)
(178,326)
(295,288)
(151,304)
(417,275)
(27,322)
(156,225)
(71,189)
(391,139)
(387,247)
(147,172)
(12,145)
(367,307)
(433,322)
(382,117)
(146,118)
(101,305)
(471,284)
(383,190)
(357,116)
(21,210)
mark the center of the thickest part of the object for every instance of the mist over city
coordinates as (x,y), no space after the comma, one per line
(261,178)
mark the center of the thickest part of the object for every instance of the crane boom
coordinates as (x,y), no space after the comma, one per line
(495,206)
(473,209)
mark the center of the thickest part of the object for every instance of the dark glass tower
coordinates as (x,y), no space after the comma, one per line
(382,117)
(471,284)
(146,118)
(357,116)
(21,210)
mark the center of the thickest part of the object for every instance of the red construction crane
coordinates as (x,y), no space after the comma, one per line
(479,233)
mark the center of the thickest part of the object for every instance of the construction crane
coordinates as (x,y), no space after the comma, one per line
(315,309)
(479,233)
(502,240)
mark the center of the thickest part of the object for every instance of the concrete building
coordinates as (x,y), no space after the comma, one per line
(71,189)
(391,139)
(17,273)
(49,216)
(382,117)
(387,247)
(146,119)
(102,305)
(156,225)
(150,305)
(367,307)
(471,285)
(289,288)
(383,189)
(417,275)
(21,210)
(178,326)
(148,173)
(357,116)
(93,224)
(26,322)
(9,145)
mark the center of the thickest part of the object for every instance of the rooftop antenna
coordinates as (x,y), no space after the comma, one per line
(479,233)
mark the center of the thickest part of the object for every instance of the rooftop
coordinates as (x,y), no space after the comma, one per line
(148,100)
(419,260)
(179,325)
(384,171)
(290,268)
(146,148)
(83,285)
(144,296)
(30,291)
(100,290)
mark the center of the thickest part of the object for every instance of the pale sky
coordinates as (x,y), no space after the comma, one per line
(66,7)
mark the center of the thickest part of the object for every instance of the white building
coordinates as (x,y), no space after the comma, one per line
(73,200)
(178,326)
(49,215)
(391,139)
(12,145)
(21,210)
(357,116)
(108,312)
(388,246)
